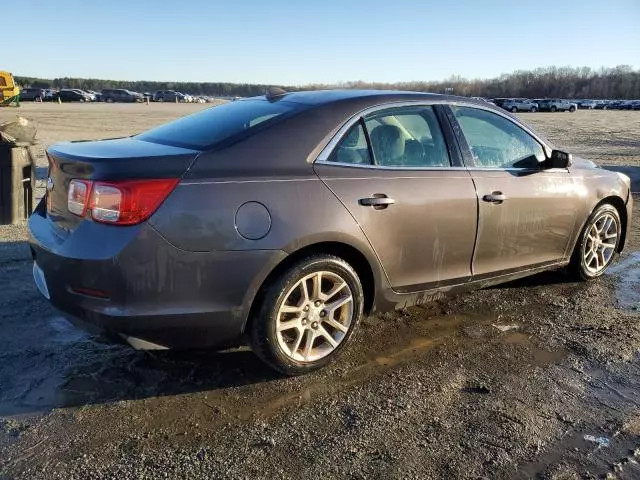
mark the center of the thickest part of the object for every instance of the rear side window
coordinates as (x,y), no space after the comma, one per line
(352,149)
(205,129)
(407,137)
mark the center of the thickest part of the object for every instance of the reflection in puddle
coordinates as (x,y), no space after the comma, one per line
(628,289)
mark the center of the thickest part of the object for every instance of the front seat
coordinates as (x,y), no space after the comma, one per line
(414,153)
(388,145)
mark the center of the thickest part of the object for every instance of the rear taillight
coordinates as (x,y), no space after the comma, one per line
(126,202)
(77,196)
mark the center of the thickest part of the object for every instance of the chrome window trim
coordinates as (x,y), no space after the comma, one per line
(383,167)
(444,169)
(504,114)
(325,153)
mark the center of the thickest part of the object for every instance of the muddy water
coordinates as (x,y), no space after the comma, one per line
(628,288)
(233,386)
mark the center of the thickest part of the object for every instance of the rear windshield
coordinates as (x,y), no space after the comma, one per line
(205,129)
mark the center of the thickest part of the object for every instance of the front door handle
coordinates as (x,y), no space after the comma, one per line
(379,201)
(495,197)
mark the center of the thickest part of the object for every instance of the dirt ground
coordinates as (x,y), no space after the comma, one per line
(534,379)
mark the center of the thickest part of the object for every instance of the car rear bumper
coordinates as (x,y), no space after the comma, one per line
(134,285)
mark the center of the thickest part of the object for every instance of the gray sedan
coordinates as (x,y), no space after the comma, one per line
(520,105)
(284,219)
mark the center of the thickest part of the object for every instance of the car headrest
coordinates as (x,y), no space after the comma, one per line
(387,143)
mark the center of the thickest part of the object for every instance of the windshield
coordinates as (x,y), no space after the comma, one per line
(205,129)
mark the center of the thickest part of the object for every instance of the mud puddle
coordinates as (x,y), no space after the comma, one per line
(628,288)
(599,445)
(235,385)
(419,342)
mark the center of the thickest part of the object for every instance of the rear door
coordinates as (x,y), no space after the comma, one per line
(405,186)
(526,213)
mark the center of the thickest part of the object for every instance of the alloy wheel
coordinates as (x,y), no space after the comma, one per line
(315,316)
(600,243)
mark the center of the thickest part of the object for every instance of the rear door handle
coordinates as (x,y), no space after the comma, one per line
(495,197)
(379,201)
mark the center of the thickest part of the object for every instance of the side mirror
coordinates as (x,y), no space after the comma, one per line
(559,159)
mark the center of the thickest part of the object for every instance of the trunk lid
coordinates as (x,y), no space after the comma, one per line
(107,160)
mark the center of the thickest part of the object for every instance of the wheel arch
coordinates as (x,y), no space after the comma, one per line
(619,205)
(358,260)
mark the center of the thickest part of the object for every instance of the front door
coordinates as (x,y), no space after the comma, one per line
(393,172)
(526,212)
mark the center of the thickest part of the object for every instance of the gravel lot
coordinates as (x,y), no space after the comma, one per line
(534,379)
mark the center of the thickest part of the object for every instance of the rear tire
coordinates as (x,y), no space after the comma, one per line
(514,109)
(534,109)
(554,108)
(572,109)
(597,244)
(308,315)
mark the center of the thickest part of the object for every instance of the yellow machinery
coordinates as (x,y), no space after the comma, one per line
(9,91)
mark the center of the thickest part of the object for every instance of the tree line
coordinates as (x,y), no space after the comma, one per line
(621,82)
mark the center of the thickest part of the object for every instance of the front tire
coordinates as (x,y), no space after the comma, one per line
(597,244)
(307,316)
(514,109)
(554,108)
(572,109)
(534,109)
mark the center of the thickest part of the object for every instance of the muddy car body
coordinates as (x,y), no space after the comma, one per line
(300,212)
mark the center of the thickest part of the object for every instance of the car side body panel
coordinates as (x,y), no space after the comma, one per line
(426,238)
(532,226)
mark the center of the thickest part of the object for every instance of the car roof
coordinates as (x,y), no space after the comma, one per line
(323,97)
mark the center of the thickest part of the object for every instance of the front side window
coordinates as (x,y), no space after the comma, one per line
(496,142)
(407,137)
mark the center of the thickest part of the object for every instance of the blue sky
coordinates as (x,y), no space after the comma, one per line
(322,41)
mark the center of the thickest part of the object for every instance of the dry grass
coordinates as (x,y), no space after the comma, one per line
(607,137)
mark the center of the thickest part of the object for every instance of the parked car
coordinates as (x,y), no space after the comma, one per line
(168,96)
(178,238)
(587,104)
(121,95)
(557,105)
(72,95)
(636,105)
(613,105)
(92,95)
(519,105)
(627,105)
(32,94)
(499,101)
(49,95)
